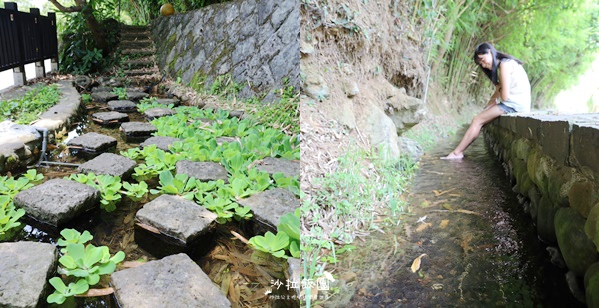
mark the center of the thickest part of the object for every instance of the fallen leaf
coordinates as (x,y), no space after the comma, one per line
(130,264)
(447,206)
(148,228)
(468,212)
(455,195)
(416,263)
(423,226)
(444,223)
(96,292)
(439,193)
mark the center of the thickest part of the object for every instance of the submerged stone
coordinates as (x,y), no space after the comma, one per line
(174,281)
(111,117)
(272,165)
(154,113)
(110,164)
(203,171)
(268,206)
(25,269)
(93,142)
(138,129)
(161,142)
(122,106)
(57,201)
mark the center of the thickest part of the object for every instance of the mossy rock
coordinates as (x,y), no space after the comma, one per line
(535,198)
(582,197)
(532,163)
(525,184)
(521,148)
(578,250)
(559,177)
(591,227)
(545,220)
(591,285)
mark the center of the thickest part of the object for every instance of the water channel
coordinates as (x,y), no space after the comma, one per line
(480,249)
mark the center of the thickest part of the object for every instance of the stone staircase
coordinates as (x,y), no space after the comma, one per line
(138,48)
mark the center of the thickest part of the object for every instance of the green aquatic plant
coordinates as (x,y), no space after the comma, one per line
(62,291)
(121,93)
(72,236)
(9,215)
(271,243)
(286,239)
(135,192)
(291,183)
(109,187)
(181,184)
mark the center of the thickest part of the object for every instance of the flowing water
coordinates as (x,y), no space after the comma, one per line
(477,247)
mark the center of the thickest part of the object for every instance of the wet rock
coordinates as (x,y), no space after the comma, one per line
(11,132)
(57,201)
(110,164)
(122,106)
(575,287)
(161,142)
(176,217)
(174,281)
(136,96)
(545,220)
(556,257)
(591,226)
(93,142)
(103,97)
(138,129)
(273,165)
(582,196)
(591,285)
(268,206)
(25,268)
(154,113)
(111,117)
(236,113)
(203,171)
(168,101)
(410,148)
(578,251)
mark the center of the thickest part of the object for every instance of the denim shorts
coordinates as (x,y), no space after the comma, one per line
(505,108)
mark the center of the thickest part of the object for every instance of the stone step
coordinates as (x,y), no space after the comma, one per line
(103,97)
(122,106)
(137,44)
(133,29)
(110,118)
(154,113)
(141,71)
(125,36)
(139,63)
(92,143)
(272,165)
(268,206)
(203,171)
(138,51)
(161,142)
(138,129)
(110,164)
(174,281)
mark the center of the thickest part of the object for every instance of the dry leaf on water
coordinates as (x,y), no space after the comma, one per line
(444,223)
(423,226)
(416,263)
(468,212)
(96,292)
(439,193)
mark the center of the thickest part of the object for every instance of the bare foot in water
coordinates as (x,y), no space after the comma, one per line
(453,156)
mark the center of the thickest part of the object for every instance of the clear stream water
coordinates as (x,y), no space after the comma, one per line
(481,249)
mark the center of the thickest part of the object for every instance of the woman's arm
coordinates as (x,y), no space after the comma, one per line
(505,73)
(493,100)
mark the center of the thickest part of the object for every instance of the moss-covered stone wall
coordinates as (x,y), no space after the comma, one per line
(254,41)
(553,161)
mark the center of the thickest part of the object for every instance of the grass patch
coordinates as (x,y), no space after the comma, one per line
(28,108)
(364,190)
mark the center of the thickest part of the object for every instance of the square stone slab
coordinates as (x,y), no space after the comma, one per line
(154,113)
(174,281)
(138,129)
(168,101)
(103,97)
(111,117)
(203,171)
(110,164)
(161,142)
(136,96)
(122,106)
(57,201)
(221,140)
(268,206)
(93,142)
(176,217)
(272,165)
(25,268)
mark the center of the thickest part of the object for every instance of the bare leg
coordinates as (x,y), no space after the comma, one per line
(473,131)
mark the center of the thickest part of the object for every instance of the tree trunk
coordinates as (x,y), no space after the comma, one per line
(92,23)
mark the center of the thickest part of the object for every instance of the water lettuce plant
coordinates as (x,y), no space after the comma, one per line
(181,184)
(72,236)
(109,187)
(286,239)
(121,93)
(9,215)
(62,291)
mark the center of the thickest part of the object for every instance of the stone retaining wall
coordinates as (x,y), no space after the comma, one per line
(255,42)
(553,162)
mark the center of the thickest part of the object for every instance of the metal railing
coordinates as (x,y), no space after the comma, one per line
(26,37)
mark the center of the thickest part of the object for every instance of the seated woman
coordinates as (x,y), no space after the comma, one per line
(512,90)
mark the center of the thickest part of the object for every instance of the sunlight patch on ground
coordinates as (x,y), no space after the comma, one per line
(576,99)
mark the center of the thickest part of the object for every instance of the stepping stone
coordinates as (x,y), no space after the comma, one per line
(161,142)
(176,217)
(136,96)
(92,142)
(272,165)
(221,140)
(168,101)
(111,117)
(138,129)
(26,268)
(236,113)
(110,164)
(174,281)
(154,113)
(122,106)
(57,201)
(102,89)
(268,206)
(203,171)
(102,97)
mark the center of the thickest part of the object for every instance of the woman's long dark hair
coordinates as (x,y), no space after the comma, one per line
(497,57)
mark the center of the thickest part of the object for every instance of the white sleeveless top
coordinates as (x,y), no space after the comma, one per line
(519,92)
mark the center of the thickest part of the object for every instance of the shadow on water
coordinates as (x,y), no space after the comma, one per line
(481,248)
